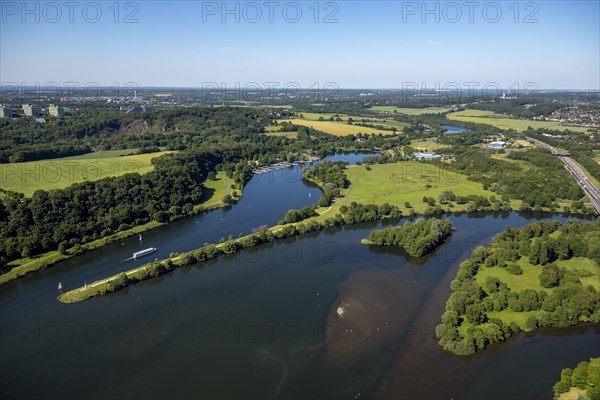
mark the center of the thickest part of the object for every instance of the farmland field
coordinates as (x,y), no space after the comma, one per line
(410,111)
(336,128)
(27,177)
(315,116)
(505,122)
(103,154)
(397,183)
(388,123)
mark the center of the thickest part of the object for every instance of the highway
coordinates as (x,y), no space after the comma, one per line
(588,187)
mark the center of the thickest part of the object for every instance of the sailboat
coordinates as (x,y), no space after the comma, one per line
(140,237)
(60,286)
(309,194)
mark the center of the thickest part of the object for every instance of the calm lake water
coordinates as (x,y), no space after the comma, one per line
(453,129)
(318,316)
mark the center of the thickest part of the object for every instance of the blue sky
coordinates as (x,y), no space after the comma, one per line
(375,44)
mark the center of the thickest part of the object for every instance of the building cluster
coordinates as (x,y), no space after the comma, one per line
(34,112)
(497,145)
(136,109)
(577,116)
(425,156)
(5,112)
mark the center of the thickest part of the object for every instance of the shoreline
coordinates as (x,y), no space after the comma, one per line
(211,251)
(54,257)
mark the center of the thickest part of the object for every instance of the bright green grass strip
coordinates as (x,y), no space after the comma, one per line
(59,173)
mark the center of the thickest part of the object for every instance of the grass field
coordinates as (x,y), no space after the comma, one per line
(59,173)
(426,145)
(103,154)
(336,128)
(410,111)
(215,191)
(344,117)
(530,277)
(530,280)
(573,394)
(505,122)
(409,181)
(388,123)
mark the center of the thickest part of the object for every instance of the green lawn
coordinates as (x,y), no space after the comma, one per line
(426,145)
(530,280)
(410,111)
(397,183)
(505,122)
(336,128)
(216,189)
(530,277)
(103,154)
(59,173)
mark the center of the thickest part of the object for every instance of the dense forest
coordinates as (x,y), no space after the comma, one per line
(90,210)
(556,297)
(24,139)
(539,182)
(208,139)
(580,145)
(416,238)
(585,376)
(331,177)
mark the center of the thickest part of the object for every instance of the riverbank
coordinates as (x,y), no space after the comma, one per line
(341,212)
(353,214)
(543,275)
(216,189)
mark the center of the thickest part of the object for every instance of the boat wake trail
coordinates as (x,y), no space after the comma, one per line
(267,353)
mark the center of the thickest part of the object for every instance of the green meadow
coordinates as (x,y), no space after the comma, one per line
(505,122)
(388,123)
(426,145)
(27,177)
(336,128)
(530,280)
(408,181)
(409,111)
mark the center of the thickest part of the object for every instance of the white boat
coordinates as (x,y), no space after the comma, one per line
(144,252)
(140,237)
(60,286)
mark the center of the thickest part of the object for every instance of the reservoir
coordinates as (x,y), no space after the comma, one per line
(266,322)
(453,129)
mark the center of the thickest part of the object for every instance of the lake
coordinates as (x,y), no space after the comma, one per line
(453,129)
(319,315)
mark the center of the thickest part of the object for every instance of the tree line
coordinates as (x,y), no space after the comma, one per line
(538,184)
(416,238)
(558,298)
(585,376)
